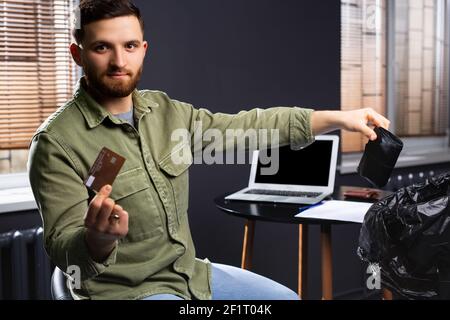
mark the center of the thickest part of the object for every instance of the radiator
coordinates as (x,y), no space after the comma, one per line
(25,270)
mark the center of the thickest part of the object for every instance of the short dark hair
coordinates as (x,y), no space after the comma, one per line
(94,10)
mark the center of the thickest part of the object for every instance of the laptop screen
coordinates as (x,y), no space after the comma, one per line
(309,166)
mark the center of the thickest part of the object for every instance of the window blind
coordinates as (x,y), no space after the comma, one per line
(363,62)
(37,73)
(421,46)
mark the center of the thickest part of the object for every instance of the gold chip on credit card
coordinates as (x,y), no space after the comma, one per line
(105,169)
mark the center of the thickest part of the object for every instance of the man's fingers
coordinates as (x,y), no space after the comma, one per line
(118,225)
(115,214)
(104,215)
(124,219)
(378,120)
(105,191)
(96,204)
(369,133)
(92,212)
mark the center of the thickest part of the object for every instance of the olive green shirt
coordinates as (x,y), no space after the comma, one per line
(158,254)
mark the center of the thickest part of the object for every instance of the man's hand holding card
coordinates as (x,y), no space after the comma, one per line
(105,221)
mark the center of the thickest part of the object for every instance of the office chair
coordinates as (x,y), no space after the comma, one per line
(59,288)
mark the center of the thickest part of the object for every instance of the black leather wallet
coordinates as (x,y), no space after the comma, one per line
(380,157)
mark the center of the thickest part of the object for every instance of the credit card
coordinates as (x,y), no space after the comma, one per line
(104,170)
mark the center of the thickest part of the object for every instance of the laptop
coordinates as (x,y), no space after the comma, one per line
(304,176)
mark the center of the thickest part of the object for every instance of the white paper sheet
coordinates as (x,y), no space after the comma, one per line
(350,211)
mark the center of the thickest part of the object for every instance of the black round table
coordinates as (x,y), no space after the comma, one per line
(285,213)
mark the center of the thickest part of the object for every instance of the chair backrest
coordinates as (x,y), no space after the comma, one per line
(59,288)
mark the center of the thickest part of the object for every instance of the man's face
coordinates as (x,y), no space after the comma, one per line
(113,55)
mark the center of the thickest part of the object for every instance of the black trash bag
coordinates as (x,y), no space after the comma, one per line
(408,235)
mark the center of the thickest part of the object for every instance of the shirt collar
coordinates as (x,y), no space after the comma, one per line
(94,113)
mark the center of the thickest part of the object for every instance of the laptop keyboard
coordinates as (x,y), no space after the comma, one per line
(284,193)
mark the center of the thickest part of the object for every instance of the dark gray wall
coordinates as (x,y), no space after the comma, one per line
(233,55)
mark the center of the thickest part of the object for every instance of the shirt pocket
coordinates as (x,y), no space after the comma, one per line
(132,191)
(177,174)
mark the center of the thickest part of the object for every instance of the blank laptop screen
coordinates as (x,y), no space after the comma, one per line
(309,166)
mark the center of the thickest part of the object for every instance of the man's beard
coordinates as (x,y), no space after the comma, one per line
(109,87)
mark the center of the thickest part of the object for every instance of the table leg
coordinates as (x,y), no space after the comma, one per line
(327,266)
(387,294)
(247,248)
(302,261)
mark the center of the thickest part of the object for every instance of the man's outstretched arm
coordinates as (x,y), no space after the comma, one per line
(296,126)
(355,120)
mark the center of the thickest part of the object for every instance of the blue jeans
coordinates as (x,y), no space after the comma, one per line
(231,283)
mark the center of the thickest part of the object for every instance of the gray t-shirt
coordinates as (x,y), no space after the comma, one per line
(127,116)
